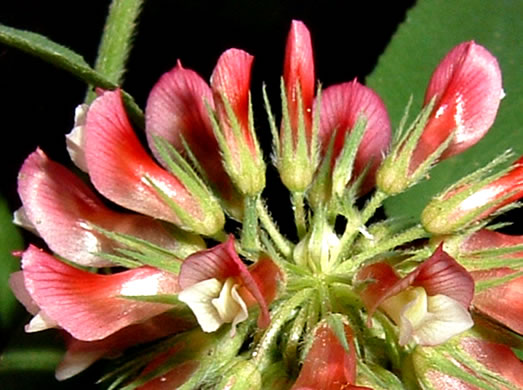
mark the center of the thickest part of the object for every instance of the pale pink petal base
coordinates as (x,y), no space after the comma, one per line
(64,211)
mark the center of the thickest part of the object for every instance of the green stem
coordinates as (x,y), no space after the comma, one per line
(408,235)
(356,221)
(262,354)
(116,41)
(300,215)
(284,245)
(249,238)
(372,205)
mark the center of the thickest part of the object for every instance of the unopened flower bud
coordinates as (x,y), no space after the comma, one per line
(461,103)
(470,202)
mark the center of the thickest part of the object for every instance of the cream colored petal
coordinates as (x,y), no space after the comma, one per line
(40,322)
(199,298)
(75,139)
(446,318)
(20,219)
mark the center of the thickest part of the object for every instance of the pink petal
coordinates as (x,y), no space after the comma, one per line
(504,303)
(501,192)
(176,110)
(327,365)
(120,167)
(89,306)
(496,357)
(467,86)
(17,286)
(231,79)
(81,354)
(380,277)
(175,377)
(440,274)
(341,106)
(62,207)
(298,70)
(490,239)
(222,262)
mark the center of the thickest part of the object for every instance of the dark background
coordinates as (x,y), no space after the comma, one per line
(37,101)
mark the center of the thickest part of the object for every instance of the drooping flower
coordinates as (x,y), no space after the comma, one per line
(470,361)
(81,354)
(122,171)
(430,304)
(461,103)
(93,306)
(65,212)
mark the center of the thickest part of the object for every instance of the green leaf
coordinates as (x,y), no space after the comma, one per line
(10,239)
(66,59)
(432,28)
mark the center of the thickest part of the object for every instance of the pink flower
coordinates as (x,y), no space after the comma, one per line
(430,304)
(122,171)
(81,354)
(470,202)
(64,211)
(502,302)
(299,78)
(490,358)
(219,287)
(327,365)
(178,111)
(341,107)
(91,306)
(467,90)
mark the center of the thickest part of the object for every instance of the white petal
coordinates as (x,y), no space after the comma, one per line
(447,319)
(40,322)
(20,219)
(74,363)
(75,139)
(199,299)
